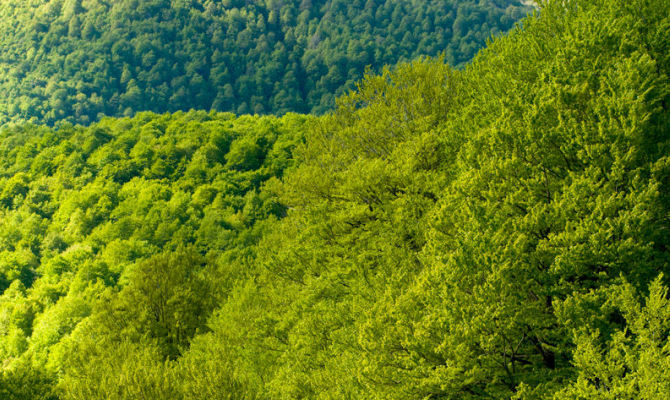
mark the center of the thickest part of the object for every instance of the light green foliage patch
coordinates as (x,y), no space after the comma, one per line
(121,235)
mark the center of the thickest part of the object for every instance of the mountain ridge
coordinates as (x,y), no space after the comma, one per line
(78,60)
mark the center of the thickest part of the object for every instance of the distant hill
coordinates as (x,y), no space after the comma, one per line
(76,60)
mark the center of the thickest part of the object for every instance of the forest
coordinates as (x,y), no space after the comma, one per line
(80,60)
(493,230)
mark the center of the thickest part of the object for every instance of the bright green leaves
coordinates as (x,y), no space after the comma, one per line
(632,361)
(103,236)
(167,298)
(23,381)
(245,155)
(125,370)
(130,337)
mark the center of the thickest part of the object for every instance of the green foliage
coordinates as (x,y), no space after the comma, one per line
(124,370)
(122,243)
(447,231)
(633,361)
(76,61)
(166,298)
(24,381)
(499,231)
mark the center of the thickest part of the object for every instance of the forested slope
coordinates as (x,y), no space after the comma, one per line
(499,231)
(157,204)
(76,60)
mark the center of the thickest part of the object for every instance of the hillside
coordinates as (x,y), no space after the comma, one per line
(83,211)
(499,231)
(76,60)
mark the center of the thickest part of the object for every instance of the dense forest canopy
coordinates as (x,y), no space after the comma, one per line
(76,60)
(157,201)
(499,231)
